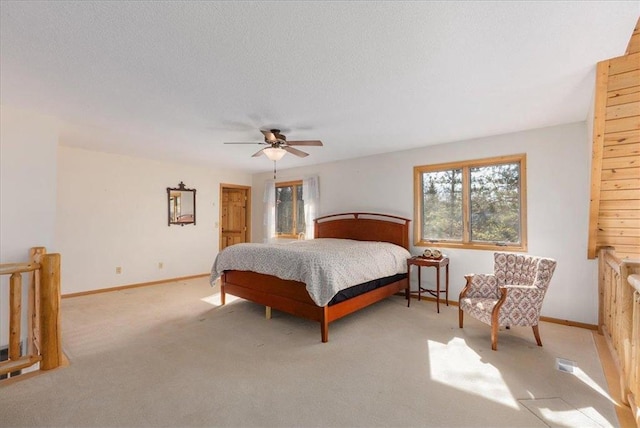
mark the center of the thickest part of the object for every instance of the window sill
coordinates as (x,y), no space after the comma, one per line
(472,246)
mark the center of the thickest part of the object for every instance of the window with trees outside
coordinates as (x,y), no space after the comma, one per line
(289,209)
(472,204)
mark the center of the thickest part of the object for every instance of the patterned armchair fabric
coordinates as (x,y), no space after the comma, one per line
(511,296)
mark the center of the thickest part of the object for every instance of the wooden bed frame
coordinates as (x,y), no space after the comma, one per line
(292,296)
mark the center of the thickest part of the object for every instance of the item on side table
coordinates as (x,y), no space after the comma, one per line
(432,253)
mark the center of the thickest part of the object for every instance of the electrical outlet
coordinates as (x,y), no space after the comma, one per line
(118,270)
(160,265)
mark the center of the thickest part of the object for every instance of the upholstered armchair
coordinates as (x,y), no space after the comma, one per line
(511,296)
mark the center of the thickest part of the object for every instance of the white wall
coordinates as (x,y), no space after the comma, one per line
(28,145)
(557,204)
(112,211)
(27,191)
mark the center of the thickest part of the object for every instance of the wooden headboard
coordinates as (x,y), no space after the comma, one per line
(364,227)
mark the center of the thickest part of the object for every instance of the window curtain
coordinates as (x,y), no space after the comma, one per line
(311,198)
(269,211)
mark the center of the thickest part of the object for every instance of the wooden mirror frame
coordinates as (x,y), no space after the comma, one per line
(174,208)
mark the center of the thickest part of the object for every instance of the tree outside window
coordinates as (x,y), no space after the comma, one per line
(289,209)
(442,206)
(472,204)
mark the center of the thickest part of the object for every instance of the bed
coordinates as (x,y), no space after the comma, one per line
(292,296)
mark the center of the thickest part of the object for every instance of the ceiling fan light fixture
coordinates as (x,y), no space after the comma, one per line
(274,153)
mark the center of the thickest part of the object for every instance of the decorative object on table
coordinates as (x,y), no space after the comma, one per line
(432,253)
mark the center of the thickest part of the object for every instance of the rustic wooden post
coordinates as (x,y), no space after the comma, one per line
(33,315)
(601,290)
(635,352)
(50,340)
(15,313)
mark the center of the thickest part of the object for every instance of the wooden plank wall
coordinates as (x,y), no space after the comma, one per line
(615,176)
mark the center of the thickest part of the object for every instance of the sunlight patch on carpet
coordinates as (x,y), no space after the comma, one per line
(214,299)
(587,380)
(593,384)
(571,367)
(556,412)
(456,365)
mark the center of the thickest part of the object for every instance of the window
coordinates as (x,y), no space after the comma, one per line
(474,204)
(289,209)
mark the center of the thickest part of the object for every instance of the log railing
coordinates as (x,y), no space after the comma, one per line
(619,321)
(43,344)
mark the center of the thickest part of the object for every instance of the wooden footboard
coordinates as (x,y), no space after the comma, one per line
(292,297)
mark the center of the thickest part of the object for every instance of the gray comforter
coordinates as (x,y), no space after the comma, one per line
(325,265)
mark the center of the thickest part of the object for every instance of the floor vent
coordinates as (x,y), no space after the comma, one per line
(566,366)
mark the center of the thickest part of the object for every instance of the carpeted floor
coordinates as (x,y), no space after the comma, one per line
(169,355)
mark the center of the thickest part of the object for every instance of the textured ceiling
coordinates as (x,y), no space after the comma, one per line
(174,80)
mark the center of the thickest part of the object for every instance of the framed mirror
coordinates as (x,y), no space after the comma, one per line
(182,205)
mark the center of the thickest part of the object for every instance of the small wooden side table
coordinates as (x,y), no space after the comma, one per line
(436,263)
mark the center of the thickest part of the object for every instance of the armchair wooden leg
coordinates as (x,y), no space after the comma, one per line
(463,293)
(494,336)
(495,317)
(536,333)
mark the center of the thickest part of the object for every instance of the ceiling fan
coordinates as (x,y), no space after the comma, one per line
(278,146)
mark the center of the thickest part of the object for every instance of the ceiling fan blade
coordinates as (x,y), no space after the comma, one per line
(278,135)
(258,153)
(268,136)
(305,143)
(243,143)
(296,152)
